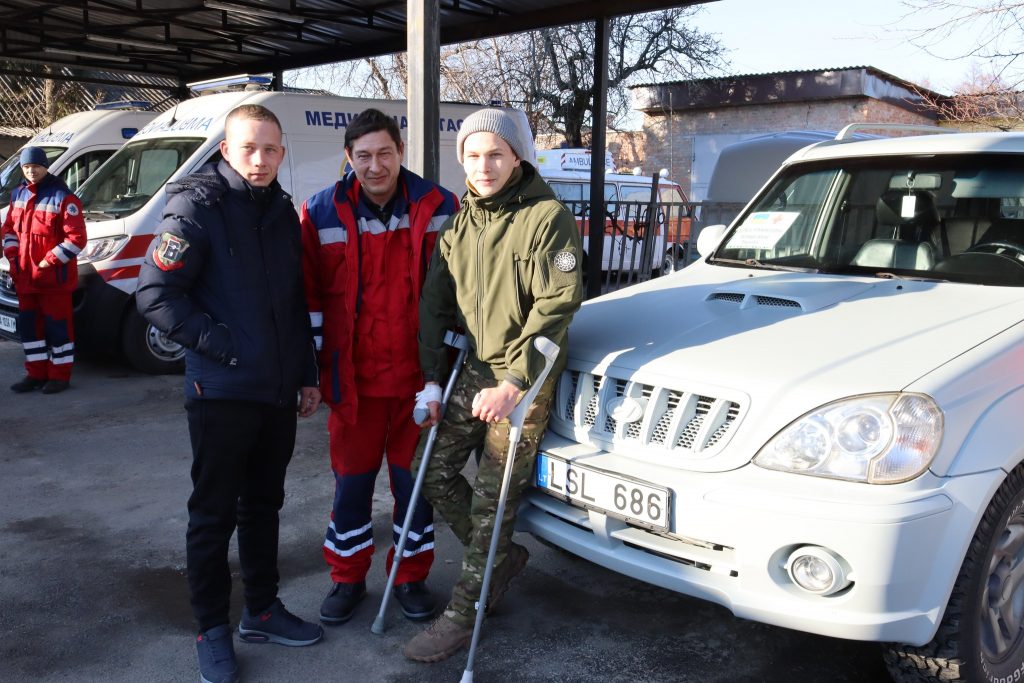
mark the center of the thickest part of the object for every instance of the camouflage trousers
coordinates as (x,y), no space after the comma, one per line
(470,509)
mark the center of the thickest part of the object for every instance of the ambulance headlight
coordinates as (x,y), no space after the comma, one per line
(877,439)
(101,248)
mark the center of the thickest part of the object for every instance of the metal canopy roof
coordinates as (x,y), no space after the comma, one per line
(192,40)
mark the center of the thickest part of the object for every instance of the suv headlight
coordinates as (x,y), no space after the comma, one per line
(101,248)
(878,439)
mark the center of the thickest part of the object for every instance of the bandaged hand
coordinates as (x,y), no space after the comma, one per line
(427,412)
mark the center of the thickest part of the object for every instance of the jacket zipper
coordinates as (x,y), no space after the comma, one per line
(480,283)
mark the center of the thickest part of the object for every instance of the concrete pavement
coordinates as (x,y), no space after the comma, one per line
(93,484)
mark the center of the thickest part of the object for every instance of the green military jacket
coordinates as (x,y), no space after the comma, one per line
(505,269)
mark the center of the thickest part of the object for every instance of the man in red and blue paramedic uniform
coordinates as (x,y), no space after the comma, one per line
(42,235)
(367,241)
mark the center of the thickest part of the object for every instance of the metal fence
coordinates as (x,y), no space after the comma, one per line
(635,249)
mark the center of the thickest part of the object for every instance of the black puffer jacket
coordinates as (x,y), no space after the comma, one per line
(223,278)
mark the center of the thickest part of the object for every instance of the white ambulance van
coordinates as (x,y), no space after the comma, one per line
(818,425)
(123,202)
(77,144)
(567,171)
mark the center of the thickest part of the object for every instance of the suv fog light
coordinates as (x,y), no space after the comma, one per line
(816,570)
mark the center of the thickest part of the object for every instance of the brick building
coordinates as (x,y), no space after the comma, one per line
(686,123)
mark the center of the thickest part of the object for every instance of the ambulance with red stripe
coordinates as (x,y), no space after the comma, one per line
(123,202)
(78,144)
(627,199)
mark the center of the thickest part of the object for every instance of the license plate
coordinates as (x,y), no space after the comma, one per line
(593,489)
(8,323)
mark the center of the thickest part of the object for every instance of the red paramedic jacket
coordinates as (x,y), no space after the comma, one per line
(340,240)
(44,222)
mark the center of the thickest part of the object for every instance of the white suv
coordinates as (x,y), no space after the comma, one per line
(820,425)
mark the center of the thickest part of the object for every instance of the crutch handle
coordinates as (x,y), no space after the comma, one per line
(549,350)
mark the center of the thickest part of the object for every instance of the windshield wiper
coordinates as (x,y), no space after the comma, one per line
(764,266)
(886,275)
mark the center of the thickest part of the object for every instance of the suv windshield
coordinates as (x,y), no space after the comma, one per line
(951,217)
(127,181)
(10,172)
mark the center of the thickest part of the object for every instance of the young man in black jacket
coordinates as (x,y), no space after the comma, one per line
(224,280)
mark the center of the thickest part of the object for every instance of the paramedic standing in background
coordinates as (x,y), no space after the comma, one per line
(42,235)
(224,280)
(367,240)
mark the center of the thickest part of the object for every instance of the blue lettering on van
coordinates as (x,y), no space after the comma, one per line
(329,119)
(341,119)
(194,123)
(58,136)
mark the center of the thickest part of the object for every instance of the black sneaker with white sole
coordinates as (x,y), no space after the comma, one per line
(277,625)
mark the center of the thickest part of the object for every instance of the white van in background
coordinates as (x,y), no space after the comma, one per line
(567,171)
(77,144)
(123,203)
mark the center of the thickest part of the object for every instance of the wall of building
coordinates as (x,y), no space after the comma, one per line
(688,142)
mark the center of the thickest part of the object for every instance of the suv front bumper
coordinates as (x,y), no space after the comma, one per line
(732,532)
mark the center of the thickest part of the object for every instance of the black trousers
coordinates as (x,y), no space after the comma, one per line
(240,452)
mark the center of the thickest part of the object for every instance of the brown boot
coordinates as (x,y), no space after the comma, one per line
(440,641)
(515,562)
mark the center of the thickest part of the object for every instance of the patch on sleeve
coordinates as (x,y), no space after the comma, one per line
(565,261)
(562,267)
(170,253)
(72,209)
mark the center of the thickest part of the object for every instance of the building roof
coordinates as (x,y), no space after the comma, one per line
(782,87)
(24,105)
(193,40)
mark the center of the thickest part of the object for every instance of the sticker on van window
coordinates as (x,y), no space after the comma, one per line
(762,230)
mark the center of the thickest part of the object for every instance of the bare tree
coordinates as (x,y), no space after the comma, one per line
(990,96)
(997,24)
(549,73)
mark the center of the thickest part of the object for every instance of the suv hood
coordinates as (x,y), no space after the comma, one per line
(781,344)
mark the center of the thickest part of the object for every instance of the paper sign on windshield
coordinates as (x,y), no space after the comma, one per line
(762,230)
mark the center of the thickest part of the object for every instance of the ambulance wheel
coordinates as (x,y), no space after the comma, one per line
(981,636)
(148,349)
(672,261)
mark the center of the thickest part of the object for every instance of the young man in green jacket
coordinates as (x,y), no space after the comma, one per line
(506,269)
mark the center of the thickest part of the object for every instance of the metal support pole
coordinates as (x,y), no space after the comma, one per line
(595,241)
(423,151)
(278,82)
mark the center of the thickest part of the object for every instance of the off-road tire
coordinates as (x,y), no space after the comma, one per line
(981,636)
(147,349)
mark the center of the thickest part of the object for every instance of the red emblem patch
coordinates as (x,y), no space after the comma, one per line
(170,253)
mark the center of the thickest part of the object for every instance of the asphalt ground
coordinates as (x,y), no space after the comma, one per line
(93,484)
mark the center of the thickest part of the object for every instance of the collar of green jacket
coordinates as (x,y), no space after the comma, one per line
(524,185)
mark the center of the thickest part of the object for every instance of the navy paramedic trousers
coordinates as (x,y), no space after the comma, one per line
(240,452)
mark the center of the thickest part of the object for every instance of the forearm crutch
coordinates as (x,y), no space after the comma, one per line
(549,350)
(459,342)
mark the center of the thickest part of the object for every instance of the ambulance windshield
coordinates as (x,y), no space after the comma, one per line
(132,176)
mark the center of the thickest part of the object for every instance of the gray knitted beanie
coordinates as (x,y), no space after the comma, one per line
(503,124)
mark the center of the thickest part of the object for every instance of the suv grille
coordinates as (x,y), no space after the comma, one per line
(618,412)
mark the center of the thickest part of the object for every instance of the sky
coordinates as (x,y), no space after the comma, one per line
(787,35)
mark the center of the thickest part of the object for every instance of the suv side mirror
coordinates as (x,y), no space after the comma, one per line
(709,239)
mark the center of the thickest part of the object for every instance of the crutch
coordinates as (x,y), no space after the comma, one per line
(459,342)
(549,350)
